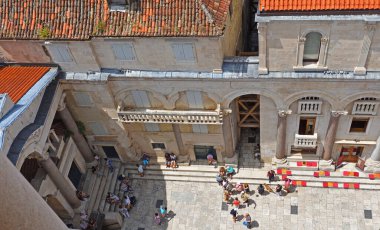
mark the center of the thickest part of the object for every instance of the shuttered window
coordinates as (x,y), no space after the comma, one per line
(82,99)
(312,47)
(152,127)
(123,52)
(183,51)
(97,128)
(60,53)
(197,128)
(141,99)
(194,99)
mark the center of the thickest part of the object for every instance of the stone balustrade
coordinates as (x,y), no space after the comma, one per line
(365,107)
(305,141)
(172,116)
(309,107)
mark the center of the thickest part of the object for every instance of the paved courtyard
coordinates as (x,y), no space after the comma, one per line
(199,206)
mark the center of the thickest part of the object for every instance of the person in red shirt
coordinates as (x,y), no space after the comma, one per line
(236,203)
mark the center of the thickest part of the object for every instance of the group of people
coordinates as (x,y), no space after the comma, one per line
(171,160)
(158,217)
(279,188)
(86,223)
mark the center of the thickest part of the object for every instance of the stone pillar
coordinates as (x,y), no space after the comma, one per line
(330,136)
(78,138)
(262,29)
(178,138)
(281,137)
(227,135)
(323,52)
(372,164)
(376,152)
(59,181)
(21,205)
(300,51)
(361,69)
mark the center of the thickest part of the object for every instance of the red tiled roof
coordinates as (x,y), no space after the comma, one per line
(316,5)
(81,19)
(17,80)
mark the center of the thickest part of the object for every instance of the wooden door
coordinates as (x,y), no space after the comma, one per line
(249,111)
(351,153)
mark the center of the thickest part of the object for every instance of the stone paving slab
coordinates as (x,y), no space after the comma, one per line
(199,206)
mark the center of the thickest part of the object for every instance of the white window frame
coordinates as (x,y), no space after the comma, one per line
(60,48)
(122,47)
(92,124)
(179,47)
(152,127)
(200,128)
(78,103)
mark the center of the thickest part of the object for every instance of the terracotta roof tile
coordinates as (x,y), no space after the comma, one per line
(17,80)
(73,19)
(317,5)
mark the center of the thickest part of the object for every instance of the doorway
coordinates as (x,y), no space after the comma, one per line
(351,153)
(307,125)
(110,152)
(201,152)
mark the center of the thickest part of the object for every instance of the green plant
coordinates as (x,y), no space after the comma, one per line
(81,127)
(100,27)
(44,33)
(67,134)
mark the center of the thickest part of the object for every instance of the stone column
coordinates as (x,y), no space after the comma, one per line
(21,205)
(281,137)
(376,152)
(373,163)
(300,51)
(178,138)
(227,135)
(60,181)
(78,138)
(330,136)
(262,29)
(323,52)
(361,69)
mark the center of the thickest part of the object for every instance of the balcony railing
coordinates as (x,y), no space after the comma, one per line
(172,116)
(365,107)
(305,141)
(309,107)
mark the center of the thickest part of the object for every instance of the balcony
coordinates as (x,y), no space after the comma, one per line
(365,107)
(309,107)
(172,116)
(305,141)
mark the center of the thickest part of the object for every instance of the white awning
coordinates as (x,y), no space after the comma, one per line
(353,142)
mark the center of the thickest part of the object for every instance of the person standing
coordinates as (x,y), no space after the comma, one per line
(236,203)
(157,219)
(140,170)
(271,175)
(248,220)
(239,187)
(109,164)
(287,185)
(123,211)
(226,196)
(234,213)
(246,187)
(219,179)
(163,211)
(261,189)
(245,198)
(279,190)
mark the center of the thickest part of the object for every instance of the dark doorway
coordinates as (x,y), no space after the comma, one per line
(29,169)
(75,175)
(201,152)
(110,152)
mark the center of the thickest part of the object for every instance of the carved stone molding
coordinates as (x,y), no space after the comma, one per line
(338,113)
(284,113)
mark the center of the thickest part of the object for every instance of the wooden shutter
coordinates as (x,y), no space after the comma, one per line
(312,47)
(152,127)
(83,99)
(97,128)
(141,99)
(194,99)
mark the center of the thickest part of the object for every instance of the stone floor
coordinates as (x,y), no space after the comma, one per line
(199,206)
(247,148)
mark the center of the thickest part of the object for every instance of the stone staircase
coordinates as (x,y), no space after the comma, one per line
(310,162)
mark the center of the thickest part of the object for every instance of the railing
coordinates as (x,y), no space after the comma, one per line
(309,107)
(365,107)
(305,141)
(172,116)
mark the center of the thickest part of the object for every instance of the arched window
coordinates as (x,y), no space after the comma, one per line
(312,48)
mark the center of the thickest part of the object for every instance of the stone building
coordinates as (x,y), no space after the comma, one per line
(150,77)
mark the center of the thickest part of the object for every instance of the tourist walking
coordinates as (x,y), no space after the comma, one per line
(140,170)
(234,213)
(247,220)
(145,160)
(271,175)
(109,164)
(157,219)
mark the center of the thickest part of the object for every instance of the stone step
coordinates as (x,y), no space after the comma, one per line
(109,187)
(94,190)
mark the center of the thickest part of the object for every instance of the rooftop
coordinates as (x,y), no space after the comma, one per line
(17,80)
(72,19)
(319,5)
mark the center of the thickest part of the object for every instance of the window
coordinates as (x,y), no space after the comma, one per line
(307,126)
(97,128)
(123,52)
(152,127)
(359,125)
(194,99)
(74,174)
(312,48)
(183,51)
(310,98)
(158,146)
(141,99)
(60,53)
(83,99)
(197,128)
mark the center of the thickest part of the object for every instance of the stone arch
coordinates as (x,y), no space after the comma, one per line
(119,96)
(311,93)
(36,153)
(347,100)
(240,92)
(173,97)
(313,30)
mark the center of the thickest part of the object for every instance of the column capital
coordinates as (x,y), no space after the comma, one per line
(62,104)
(335,113)
(284,113)
(302,39)
(324,40)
